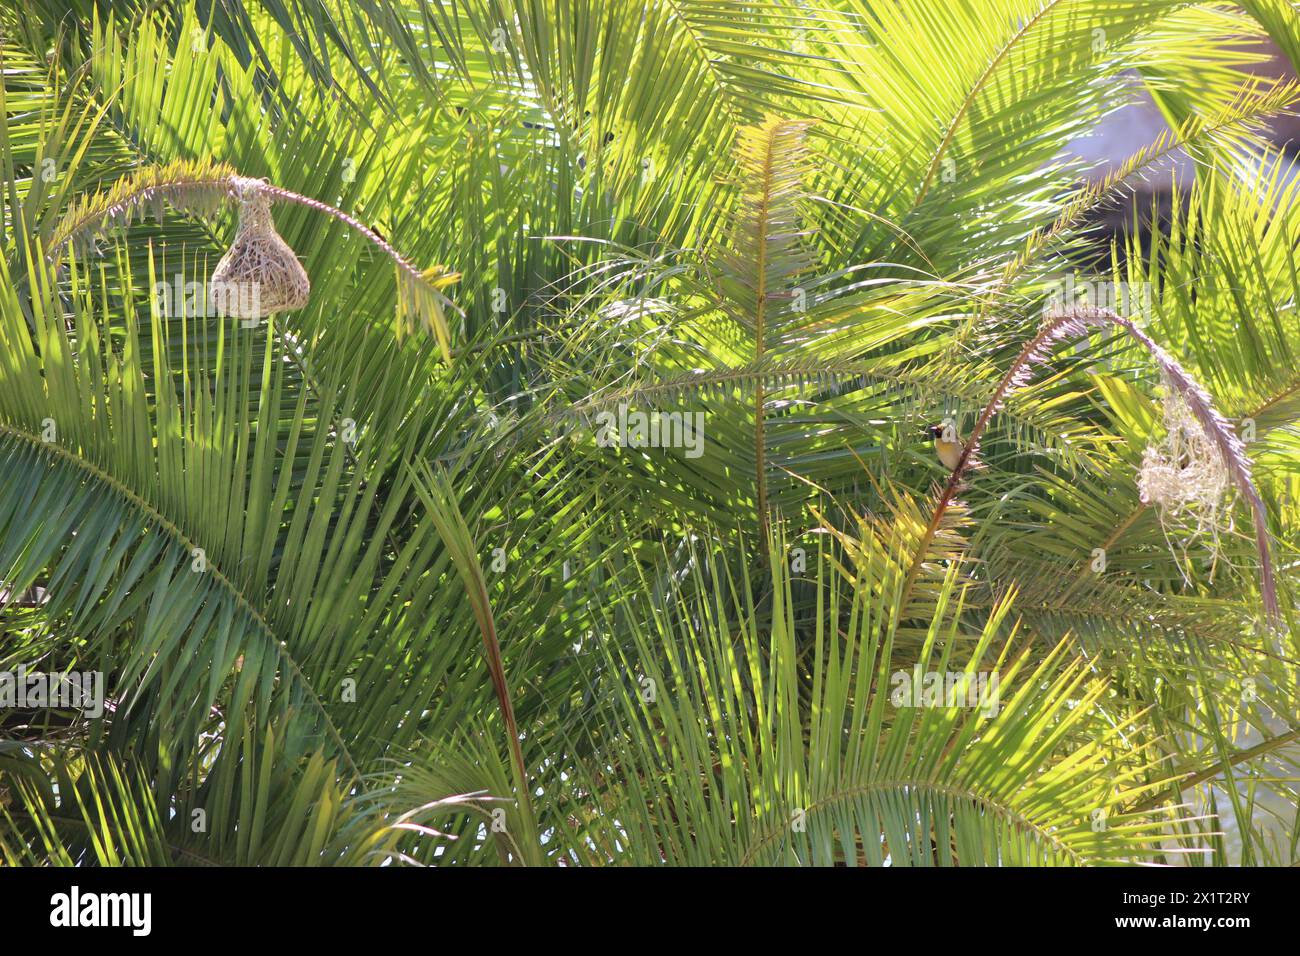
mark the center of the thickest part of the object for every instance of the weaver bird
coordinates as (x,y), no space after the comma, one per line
(947,443)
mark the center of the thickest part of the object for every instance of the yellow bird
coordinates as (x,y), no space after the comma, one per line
(947,443)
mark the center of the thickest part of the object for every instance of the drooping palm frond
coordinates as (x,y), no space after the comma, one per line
(200,188)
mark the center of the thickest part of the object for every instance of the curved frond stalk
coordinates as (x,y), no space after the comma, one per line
(1242,116)
(464,771)
(440,501)
(252,531)
(1077,322)
(1278,398)
(419,291)
(24,450)
(201,188)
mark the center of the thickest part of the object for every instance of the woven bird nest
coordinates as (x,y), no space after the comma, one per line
(260,274)
(1185,474)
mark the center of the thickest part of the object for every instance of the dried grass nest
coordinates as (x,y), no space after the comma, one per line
(259,274)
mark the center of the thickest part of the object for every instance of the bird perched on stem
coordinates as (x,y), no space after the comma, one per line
(947,444)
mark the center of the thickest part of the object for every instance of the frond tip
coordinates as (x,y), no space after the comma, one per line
(420,301)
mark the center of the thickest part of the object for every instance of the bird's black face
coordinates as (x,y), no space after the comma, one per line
(934,431)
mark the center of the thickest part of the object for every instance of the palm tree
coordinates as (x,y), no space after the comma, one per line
(581,511)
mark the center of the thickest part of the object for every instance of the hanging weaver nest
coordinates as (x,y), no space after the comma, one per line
(259,274)
(1190,475)
(1184,474)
